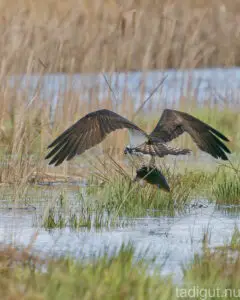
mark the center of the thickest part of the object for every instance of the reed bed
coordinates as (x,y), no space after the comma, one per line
(28,125)
(89,36)
(52,36)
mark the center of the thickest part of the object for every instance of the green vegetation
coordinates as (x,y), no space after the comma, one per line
(216,270)
(226,188)
(112,199)
(80,212)
(122,196)
(40,37)
(120,275)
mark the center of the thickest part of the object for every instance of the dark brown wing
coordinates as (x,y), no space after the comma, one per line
(86,133)
(173,123)
(160,149)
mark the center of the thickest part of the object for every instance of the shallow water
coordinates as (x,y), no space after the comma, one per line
(173,240)
(211,85)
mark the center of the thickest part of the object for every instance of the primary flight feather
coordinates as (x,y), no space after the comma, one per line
(86,133)
(95,126)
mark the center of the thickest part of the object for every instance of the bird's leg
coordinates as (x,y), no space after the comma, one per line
(152,162)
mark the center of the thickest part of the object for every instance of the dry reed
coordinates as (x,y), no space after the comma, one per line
(89,36)
(72,36)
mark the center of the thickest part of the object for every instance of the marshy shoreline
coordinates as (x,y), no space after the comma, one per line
(27,276)
(75,231)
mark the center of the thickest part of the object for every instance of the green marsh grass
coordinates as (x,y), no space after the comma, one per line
(112,199)
(79,212)
(54,219)
(118,276)
(226,189)
(121,274)
(109,200)
(106,201)
(234,243)
(217,268)
(121,196)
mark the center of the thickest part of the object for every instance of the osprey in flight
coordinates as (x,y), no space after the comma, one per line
(95,126)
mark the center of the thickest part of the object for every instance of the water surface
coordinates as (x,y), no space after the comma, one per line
(172,240)
(204,85)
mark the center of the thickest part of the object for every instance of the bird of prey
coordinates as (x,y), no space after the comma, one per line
(95,126)
(153,176)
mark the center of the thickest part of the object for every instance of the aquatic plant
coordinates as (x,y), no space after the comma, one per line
(80,212)
(121,196)
(226,189)
(54,219)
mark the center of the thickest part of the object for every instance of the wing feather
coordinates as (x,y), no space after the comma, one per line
(173,123)
(86,133)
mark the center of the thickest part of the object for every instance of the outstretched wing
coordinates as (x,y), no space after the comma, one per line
(86,133)
(173,123)
(160,149)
